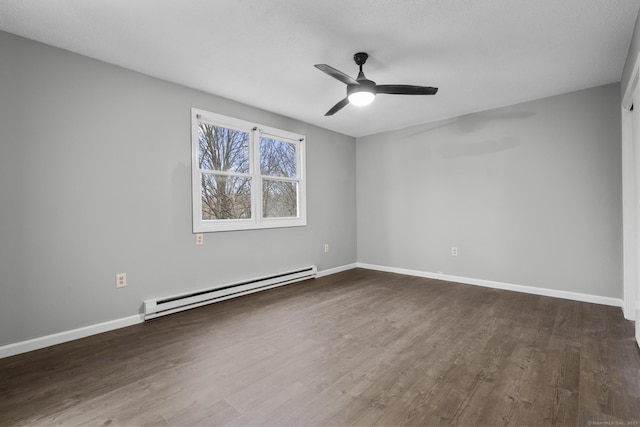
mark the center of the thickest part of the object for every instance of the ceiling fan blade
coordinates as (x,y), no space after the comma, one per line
(339,106)
(336,74)
(406,90)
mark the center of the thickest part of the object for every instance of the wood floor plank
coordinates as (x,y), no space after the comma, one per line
(355,348)
(563,388)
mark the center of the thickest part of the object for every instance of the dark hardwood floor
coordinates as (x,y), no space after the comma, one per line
(355,348)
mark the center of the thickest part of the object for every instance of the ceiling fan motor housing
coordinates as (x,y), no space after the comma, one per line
(364,85)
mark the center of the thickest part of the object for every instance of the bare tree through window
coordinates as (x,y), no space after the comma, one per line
(227,195)
(279,197)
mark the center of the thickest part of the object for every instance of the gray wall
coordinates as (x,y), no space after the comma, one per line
(95,180)
(530,194)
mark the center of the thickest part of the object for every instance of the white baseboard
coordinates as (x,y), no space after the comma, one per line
(61,337)
(629,310)
(575,296)
(335,270)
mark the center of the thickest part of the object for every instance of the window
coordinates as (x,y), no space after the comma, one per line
(245,176)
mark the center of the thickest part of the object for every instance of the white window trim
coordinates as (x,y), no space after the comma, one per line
(255,131)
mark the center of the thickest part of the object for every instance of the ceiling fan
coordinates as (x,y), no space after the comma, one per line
(362,91)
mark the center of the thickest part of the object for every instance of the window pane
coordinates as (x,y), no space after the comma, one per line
(277,158)
(223,149)
(279,199)
(225,197)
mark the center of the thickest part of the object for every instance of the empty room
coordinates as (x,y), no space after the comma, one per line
(304,213)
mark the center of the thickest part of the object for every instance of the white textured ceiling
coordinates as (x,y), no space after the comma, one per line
(480,53)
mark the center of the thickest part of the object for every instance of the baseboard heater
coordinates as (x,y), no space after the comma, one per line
(162,306)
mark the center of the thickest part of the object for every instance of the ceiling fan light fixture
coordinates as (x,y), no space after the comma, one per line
(361,98)
(362,93)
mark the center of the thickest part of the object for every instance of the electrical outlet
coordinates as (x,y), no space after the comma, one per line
(454,251)
(326,247)
(199,239)
(121,280)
